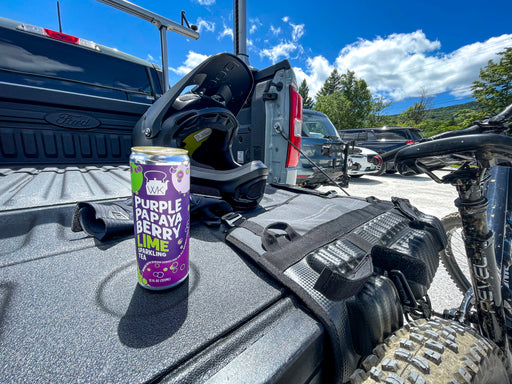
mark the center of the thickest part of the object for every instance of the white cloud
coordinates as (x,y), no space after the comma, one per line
(150,58)
(298,31)
(282,50)
(255,24)
(206,2)
(204,25)
(319,69)
(226,32)
(193,60)
(275,31)
(286,47)
(404,65)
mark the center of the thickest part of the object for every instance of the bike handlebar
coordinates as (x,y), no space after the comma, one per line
(503,116)
(429,147)
(489,149)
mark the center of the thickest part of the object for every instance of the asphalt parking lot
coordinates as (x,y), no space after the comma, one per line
(429,197)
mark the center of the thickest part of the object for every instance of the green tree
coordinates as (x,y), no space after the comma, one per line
(494,89)
(336,107)
(331,85)
(375,119)
(466,117)
(418,112)
(433,127)
(347,101)
(307,101)
(361,101)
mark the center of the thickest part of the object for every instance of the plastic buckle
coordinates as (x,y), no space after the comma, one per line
(232,219)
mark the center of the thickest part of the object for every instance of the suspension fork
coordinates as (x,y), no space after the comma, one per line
(479,243)
(507,244)
(497,192)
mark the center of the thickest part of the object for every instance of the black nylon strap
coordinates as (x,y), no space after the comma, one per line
(324,234)
(334,362)
(271,241)
(253,227)
(359,241)
(335,286)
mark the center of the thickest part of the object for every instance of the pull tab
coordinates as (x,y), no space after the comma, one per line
(338,285)
(271,241)
(404,206)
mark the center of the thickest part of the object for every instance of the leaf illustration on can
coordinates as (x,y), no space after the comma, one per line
(136,177)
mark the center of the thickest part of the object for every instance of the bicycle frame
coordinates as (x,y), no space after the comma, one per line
(499,194)
(480,244)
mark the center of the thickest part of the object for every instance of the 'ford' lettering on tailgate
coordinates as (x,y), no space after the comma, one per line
(72,120)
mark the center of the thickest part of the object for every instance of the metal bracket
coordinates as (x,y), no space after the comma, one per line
(232,219)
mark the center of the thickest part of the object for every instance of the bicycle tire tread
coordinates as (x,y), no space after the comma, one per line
(435,351)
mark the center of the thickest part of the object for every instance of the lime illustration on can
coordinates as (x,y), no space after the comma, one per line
(160,178)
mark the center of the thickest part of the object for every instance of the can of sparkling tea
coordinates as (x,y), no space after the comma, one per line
(160,178)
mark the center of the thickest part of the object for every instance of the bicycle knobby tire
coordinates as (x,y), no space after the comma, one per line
(449,256)
(436,351)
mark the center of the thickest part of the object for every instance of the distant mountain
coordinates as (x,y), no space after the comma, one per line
(447,113)
(443,113)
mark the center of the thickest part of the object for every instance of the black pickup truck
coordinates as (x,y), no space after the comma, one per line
(70,310)
(295,286)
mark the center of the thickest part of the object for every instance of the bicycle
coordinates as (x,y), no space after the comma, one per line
(484,158)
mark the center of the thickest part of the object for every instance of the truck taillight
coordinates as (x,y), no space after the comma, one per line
(61,36)
(57,35)
(295,132)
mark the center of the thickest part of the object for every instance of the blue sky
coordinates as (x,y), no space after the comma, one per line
(401,48)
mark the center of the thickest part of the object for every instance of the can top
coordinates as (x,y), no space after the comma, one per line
(160,151)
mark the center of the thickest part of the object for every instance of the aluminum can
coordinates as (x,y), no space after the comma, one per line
(160,179)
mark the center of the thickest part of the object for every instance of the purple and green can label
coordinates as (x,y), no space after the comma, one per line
(160,179)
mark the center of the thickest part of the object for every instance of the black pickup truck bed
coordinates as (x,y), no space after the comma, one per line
(71,309)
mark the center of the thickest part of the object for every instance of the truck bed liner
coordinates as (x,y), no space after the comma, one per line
(50,186)
(71,308)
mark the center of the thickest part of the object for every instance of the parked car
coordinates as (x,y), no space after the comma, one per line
(363,161)
(323,146)
(382,139)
